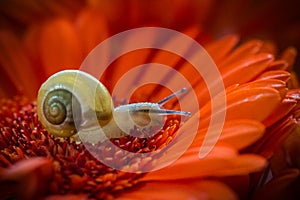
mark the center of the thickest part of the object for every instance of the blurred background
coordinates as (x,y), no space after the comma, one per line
(272,20)
(267,19)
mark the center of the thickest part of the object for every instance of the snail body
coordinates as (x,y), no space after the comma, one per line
(72,101)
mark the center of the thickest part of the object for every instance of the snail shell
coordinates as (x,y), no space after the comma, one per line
(68,98)
(73,101)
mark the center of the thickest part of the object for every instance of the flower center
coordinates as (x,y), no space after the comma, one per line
(76,170)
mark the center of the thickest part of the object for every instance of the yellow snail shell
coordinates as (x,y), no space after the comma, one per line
(55,97)
(73,97)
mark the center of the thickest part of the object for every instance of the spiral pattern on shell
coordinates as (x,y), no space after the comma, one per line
(56,106)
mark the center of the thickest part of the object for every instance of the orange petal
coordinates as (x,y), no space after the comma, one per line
(246,104)
(189,189)
(293,82)
(242,52)
(219,49)
(276,74)
(241,133)
(238,133)
(289,55)
(282,110)
(217,163)
(251,104)
(276,134)
(279,85)
(59,46)
(242,165)
(128,61)
(122,65)
(31,47)
(278,65)
(246,69)
(169,60)
(238,73)
(192,31)
(294,94)
(268,47)
(92,29)
(139,57)
(17,66)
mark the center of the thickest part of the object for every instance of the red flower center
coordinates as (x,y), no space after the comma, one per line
(75,169)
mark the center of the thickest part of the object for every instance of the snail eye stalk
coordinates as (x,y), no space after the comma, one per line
(168,98)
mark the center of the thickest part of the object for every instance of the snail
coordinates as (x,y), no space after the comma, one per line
(72,101)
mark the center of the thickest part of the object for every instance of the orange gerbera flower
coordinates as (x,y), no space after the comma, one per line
(36,164)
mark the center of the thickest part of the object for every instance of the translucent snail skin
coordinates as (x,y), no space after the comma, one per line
(71,97)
